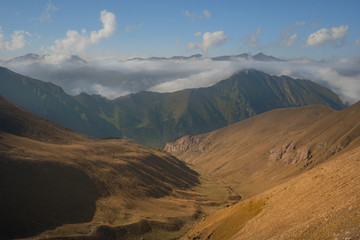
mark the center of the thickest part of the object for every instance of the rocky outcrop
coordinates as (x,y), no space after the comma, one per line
(183,144)
(289,154)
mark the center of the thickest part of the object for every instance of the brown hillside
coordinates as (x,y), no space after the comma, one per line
(61,184)
(323,203)
(261,152)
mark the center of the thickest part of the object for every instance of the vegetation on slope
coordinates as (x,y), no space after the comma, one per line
(156,118)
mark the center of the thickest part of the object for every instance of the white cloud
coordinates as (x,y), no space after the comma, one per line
(342,75)
(46,15)
(207,14)
(76,42)
(17,40)
(197,34)
(252,40)
(357,41)
(326,35)
(177,42)
(209,40)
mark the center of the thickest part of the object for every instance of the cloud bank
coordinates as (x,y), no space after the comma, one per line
(113,78)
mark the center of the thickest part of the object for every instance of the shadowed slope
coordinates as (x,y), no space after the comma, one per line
(50,176)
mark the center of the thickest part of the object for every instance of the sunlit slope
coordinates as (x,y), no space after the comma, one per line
(267,149)
(322,203)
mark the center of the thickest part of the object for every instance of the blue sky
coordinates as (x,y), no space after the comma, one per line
(285,29)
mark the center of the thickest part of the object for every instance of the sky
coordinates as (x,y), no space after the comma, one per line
(319,30)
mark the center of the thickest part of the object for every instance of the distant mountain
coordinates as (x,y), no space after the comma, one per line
(153,119)
(265,58)
(31,57)
(258,57)
(34,58)
(51,102)
(196,56)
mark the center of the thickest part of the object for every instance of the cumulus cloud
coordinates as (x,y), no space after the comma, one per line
(46,14)
(209,39)
(17,40)
(193,16)
(76,42)
(327,35)
(357,41)
(197,34)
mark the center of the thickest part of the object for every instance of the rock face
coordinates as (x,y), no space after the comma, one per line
(183,144)
(289,154)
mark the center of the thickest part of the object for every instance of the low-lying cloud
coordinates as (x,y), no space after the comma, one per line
(113,78)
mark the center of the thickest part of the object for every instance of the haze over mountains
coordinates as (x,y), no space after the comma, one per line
(155,118)
(112,77)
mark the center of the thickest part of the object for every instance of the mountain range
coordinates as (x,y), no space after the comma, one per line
(32,58)
(153,119)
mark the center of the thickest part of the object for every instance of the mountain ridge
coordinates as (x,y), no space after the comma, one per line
(156,118)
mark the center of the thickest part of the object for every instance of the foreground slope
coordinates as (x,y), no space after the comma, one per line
(323,203)
(72,186)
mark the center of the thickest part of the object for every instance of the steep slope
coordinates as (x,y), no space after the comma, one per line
(155,118)
(75,187)
(322,203)
(265,150)
(51,102)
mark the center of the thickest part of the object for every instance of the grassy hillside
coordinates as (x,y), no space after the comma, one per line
(322,203)
(295,168)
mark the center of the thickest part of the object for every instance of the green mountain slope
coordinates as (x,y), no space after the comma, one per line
(51,102)
(156,118)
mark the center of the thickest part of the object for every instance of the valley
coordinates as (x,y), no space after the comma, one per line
(179,120)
